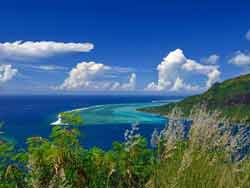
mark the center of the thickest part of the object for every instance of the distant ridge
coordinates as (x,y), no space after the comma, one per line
(231,98)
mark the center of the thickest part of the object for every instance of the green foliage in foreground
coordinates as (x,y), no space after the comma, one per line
(72,118)
(61,162)
(231,98)
(184,167)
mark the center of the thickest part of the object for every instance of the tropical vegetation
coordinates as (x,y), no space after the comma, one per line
(202,158)
(231,98)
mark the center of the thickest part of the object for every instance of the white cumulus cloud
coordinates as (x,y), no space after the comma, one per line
(7,73)
(82,76)
(241,59)
(92,76)
(130,86)
(176,73)
(180,85)
(212,59)
(30,49)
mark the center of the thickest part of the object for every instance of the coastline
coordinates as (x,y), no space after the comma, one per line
(118,106)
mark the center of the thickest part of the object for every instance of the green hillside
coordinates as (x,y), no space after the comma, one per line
(231,98)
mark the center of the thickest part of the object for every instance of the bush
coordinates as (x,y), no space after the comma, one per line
(198,158)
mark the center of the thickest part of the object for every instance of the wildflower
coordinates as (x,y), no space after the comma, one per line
(131,136)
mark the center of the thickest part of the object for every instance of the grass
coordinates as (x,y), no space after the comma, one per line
(203,159)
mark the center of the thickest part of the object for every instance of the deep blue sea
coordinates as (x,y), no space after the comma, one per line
(26,116)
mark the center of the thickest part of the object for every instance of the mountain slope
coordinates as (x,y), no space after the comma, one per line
(231,98)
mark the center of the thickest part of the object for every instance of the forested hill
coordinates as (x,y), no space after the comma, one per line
(231,98)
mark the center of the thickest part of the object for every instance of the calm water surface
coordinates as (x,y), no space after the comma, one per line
(26,116)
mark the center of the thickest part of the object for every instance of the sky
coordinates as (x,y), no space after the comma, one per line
(121,47)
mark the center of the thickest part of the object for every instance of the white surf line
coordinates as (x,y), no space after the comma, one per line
(59,118)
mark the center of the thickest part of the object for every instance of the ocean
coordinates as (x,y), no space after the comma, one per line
(105,117)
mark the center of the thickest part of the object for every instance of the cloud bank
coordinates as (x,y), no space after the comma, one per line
(91,76)
(176,72)
(30,49)
(130,86)
(240,59)
(7,73)
(212,59)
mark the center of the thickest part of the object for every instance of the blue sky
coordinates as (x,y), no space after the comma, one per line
(202,42)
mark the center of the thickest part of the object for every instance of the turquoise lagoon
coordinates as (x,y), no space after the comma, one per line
(118,114)
(106,118)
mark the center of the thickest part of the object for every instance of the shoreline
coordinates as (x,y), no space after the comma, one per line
(58,121)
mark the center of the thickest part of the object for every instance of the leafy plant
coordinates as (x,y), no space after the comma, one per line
(201,159)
